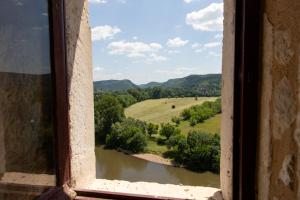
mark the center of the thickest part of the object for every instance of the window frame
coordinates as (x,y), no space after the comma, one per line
(246,90)
(61,101)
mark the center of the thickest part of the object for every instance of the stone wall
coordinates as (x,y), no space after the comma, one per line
(80,84)
(227,99)
(279,139)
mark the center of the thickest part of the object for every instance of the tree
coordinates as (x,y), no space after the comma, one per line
(174,140)
(108,110)
(168,130)
(129,135)
(152,129)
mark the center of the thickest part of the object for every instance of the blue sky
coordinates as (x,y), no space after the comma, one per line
(155,40)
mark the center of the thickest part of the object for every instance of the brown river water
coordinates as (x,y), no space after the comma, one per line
(114,165)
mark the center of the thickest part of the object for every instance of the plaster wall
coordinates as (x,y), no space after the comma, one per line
(80,86)
(279,132)
(227,99)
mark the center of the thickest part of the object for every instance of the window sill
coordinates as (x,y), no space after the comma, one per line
(153,189)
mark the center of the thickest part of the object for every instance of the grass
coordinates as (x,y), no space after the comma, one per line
(155,148)
(160,110)
(211,125)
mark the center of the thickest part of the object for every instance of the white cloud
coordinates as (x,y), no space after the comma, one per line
(218,36)
(136,50)
(104,32)
(97,69)
(196,45)
(98,1)
(212,53)
(207,19)
(188,1)
(122,1)
(176,42)
(212,44)
(199,50)
(173,51)
(156,57)
(179,71)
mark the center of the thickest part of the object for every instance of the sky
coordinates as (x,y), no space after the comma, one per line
(155,40)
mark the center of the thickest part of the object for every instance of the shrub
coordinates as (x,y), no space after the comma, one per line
(176,120)
(152,129)
(167,130)
(174,140)
(200,113)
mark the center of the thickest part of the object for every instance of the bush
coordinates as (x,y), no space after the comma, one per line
(174,140)
(129,134)
(199,151)
(200,113)
(167,130)
(152,129)
(176,120)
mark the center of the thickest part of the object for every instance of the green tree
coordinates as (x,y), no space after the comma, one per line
(129,135)
(108,110)
(167,130)
(152,129)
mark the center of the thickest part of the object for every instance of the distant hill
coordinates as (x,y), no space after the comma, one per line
(114,85)
(196,83)
(199,84)
(150,85)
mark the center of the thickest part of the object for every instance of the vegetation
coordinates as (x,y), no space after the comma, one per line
(159,111)
(160,126)
(198,151)
(168,130)
(108,110)
(200,113)
(130,134)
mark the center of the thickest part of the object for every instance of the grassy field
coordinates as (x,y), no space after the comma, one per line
(160,110)
(211,125)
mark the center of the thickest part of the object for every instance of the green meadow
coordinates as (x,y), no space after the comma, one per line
(159,111)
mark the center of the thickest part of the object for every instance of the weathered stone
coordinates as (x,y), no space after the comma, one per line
(283,50)
(284,108)
(284,174)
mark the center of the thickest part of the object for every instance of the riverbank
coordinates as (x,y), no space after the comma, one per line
(151,158)
(155,158)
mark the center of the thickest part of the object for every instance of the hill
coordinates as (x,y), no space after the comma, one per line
(150,85)
(114,85)
(193,85)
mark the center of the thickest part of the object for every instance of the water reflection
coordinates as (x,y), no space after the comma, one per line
(115,165)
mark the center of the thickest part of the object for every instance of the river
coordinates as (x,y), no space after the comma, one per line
(114,165)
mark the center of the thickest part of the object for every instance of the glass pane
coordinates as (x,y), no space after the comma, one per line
(26,106)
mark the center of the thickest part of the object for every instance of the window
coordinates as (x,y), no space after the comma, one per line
(70,85)
(27,127)
(157,88)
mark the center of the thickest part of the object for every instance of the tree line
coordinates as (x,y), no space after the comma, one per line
(132,96)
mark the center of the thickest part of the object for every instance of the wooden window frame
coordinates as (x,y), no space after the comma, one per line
(247,68)
(246,87)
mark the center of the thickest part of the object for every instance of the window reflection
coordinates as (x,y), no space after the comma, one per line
(26,109)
